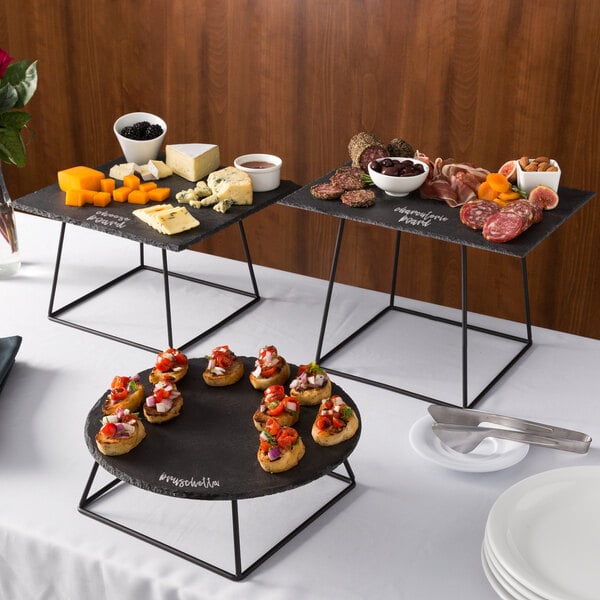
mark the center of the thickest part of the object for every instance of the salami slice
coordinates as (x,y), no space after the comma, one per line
(524,209)
(475,213)
(326,191)
(348,178)
(503,227)
(359,198)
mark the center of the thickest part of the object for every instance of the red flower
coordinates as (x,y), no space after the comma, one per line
(5,60)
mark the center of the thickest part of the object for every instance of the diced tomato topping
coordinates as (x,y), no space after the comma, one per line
(277,410)
(328,404)
(120,381)
(272,426)
(180,358)
(323,423)
(109,429)
(287,436)
(268,371)
(163,364)
(262,354)
(119,393)
(160,394)
(264,446)
(338,422)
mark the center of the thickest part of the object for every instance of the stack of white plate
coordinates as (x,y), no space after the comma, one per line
(542,537)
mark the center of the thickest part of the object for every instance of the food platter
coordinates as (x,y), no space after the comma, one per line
(209,450)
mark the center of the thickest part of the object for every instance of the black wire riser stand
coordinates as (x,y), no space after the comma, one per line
(54,313)
(240,572)
(463,323)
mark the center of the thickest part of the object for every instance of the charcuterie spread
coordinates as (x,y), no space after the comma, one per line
(488,201)
(280,447)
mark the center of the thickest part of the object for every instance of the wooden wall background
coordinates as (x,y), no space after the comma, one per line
(477,80)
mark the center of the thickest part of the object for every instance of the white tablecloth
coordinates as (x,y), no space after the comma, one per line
(411,529)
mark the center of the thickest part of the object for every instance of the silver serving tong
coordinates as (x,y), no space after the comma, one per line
(459,429)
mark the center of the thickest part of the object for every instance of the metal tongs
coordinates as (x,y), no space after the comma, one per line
(459,429)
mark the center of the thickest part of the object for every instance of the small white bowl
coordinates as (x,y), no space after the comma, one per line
(139,151)
(264,170)
(397,185)
(527,180)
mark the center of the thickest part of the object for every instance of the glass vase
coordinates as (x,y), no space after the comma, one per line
(10,262)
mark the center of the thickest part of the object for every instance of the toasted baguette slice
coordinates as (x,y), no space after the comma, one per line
(231,376)
(112,446)
(133,401)
(153,416)
(288,460)
(312,396)
(262,383)
(334,434)
(173,376)
(286,419)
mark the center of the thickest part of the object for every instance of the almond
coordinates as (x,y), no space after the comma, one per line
(532,166)
(543,166)
(524,161)
(542,159)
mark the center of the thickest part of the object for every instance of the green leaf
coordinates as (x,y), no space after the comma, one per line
(8,97)
(12,148)
(24,79)
(16,119)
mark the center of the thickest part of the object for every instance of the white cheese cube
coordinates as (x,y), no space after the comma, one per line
(159,169)
(192,161)
(119,171)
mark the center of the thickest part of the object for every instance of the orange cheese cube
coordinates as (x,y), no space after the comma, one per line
(149,185)
(102,199)
(121,193)
(159,194)
(108,185)
(131,181)
(75,198)
(80,178)
(138,197)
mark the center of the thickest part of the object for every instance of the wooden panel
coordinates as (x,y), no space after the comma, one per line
(477,80)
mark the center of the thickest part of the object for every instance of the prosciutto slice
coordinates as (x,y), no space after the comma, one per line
(453,182)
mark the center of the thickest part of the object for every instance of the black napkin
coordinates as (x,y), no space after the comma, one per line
(9,346)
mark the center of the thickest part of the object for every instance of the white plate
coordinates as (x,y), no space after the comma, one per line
(545,532)
(496,585)
(515,587)
(490,455)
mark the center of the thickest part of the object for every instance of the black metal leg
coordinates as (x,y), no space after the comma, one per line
(61,239)
(395,269)
(465,331)
(165,271)
(248,259)
(334,262)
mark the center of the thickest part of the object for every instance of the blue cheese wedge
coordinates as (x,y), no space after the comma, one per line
(192,161)
(231,184)
(167,219)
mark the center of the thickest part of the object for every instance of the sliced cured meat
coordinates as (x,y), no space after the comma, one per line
(524,209)
(538,212)
(348,178)
(503,227)
(365,147)
(326,191)
(359,198)
(475,213)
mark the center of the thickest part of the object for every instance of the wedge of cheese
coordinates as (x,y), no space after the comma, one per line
(192,161)
(167,219)
(231,184)
(159,169)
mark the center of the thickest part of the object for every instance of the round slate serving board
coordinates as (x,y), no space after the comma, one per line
(209,451)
